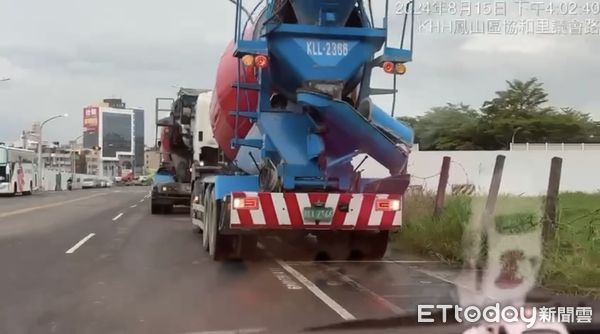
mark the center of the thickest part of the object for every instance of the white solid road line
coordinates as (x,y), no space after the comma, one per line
(118,216)
(142,200)
(361,288)
(339,309)
(81,242)
(133,206)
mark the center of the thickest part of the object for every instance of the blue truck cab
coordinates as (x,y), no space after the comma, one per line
(167,192)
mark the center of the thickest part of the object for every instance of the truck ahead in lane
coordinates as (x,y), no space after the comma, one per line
(274,144)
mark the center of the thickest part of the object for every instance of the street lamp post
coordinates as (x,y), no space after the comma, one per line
(40,163)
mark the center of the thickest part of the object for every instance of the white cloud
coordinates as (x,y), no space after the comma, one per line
(511,45)
(64,54)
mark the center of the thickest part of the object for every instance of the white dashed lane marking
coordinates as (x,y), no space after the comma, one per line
(81,242)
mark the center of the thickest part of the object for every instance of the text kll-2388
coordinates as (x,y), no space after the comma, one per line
(322,48)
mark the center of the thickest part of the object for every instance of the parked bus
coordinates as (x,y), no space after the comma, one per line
(18,173)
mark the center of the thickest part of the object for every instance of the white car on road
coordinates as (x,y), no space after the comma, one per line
(88,183)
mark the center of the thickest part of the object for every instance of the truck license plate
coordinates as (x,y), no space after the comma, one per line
(327,48)
(318,213)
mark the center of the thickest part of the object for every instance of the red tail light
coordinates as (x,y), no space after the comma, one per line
(261,61)
(388,67)
(387,204)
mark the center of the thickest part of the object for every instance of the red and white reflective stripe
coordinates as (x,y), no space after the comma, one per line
(352,215)
(286,210)
(280,208)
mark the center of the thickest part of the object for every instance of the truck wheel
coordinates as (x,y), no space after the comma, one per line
(211,225)
(155,209)
(219,245)
(206,218)
(195,228)
(248,249)
(369,245)
(333,245)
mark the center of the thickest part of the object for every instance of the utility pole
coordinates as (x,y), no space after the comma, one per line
(73,164)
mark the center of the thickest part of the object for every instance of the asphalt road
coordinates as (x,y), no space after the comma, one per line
(97,261)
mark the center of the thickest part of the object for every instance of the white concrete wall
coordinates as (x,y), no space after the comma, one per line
(525,172)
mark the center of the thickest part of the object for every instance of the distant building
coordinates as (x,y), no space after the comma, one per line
(119,133)
(151,160)
(67,160)
(29,138)
(58,160)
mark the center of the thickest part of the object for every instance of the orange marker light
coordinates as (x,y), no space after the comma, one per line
(248,60)
(261,61)
(388,67)
(400,68)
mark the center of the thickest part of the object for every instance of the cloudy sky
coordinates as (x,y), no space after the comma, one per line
(64,54)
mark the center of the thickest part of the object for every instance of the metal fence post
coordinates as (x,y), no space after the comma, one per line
(551,203)
(441,190)
(492,198)
(481,226)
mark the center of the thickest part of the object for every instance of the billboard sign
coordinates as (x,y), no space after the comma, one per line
(91,115)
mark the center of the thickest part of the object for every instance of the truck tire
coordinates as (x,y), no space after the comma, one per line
(248,247)
(195,228)
(369,245)
(220,246)
(214,247)
(155,209)
(333,245)
(242,246)
(206,218)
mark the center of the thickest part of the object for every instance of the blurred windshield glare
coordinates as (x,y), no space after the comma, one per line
(506,242)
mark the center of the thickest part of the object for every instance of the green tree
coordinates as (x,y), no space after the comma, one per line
(521,111)
(520,108)
(451,127)
(521,99)
(523,107)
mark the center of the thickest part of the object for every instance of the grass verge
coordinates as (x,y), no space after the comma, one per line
(571,261)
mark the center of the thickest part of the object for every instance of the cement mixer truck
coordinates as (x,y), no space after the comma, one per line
(275,143)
